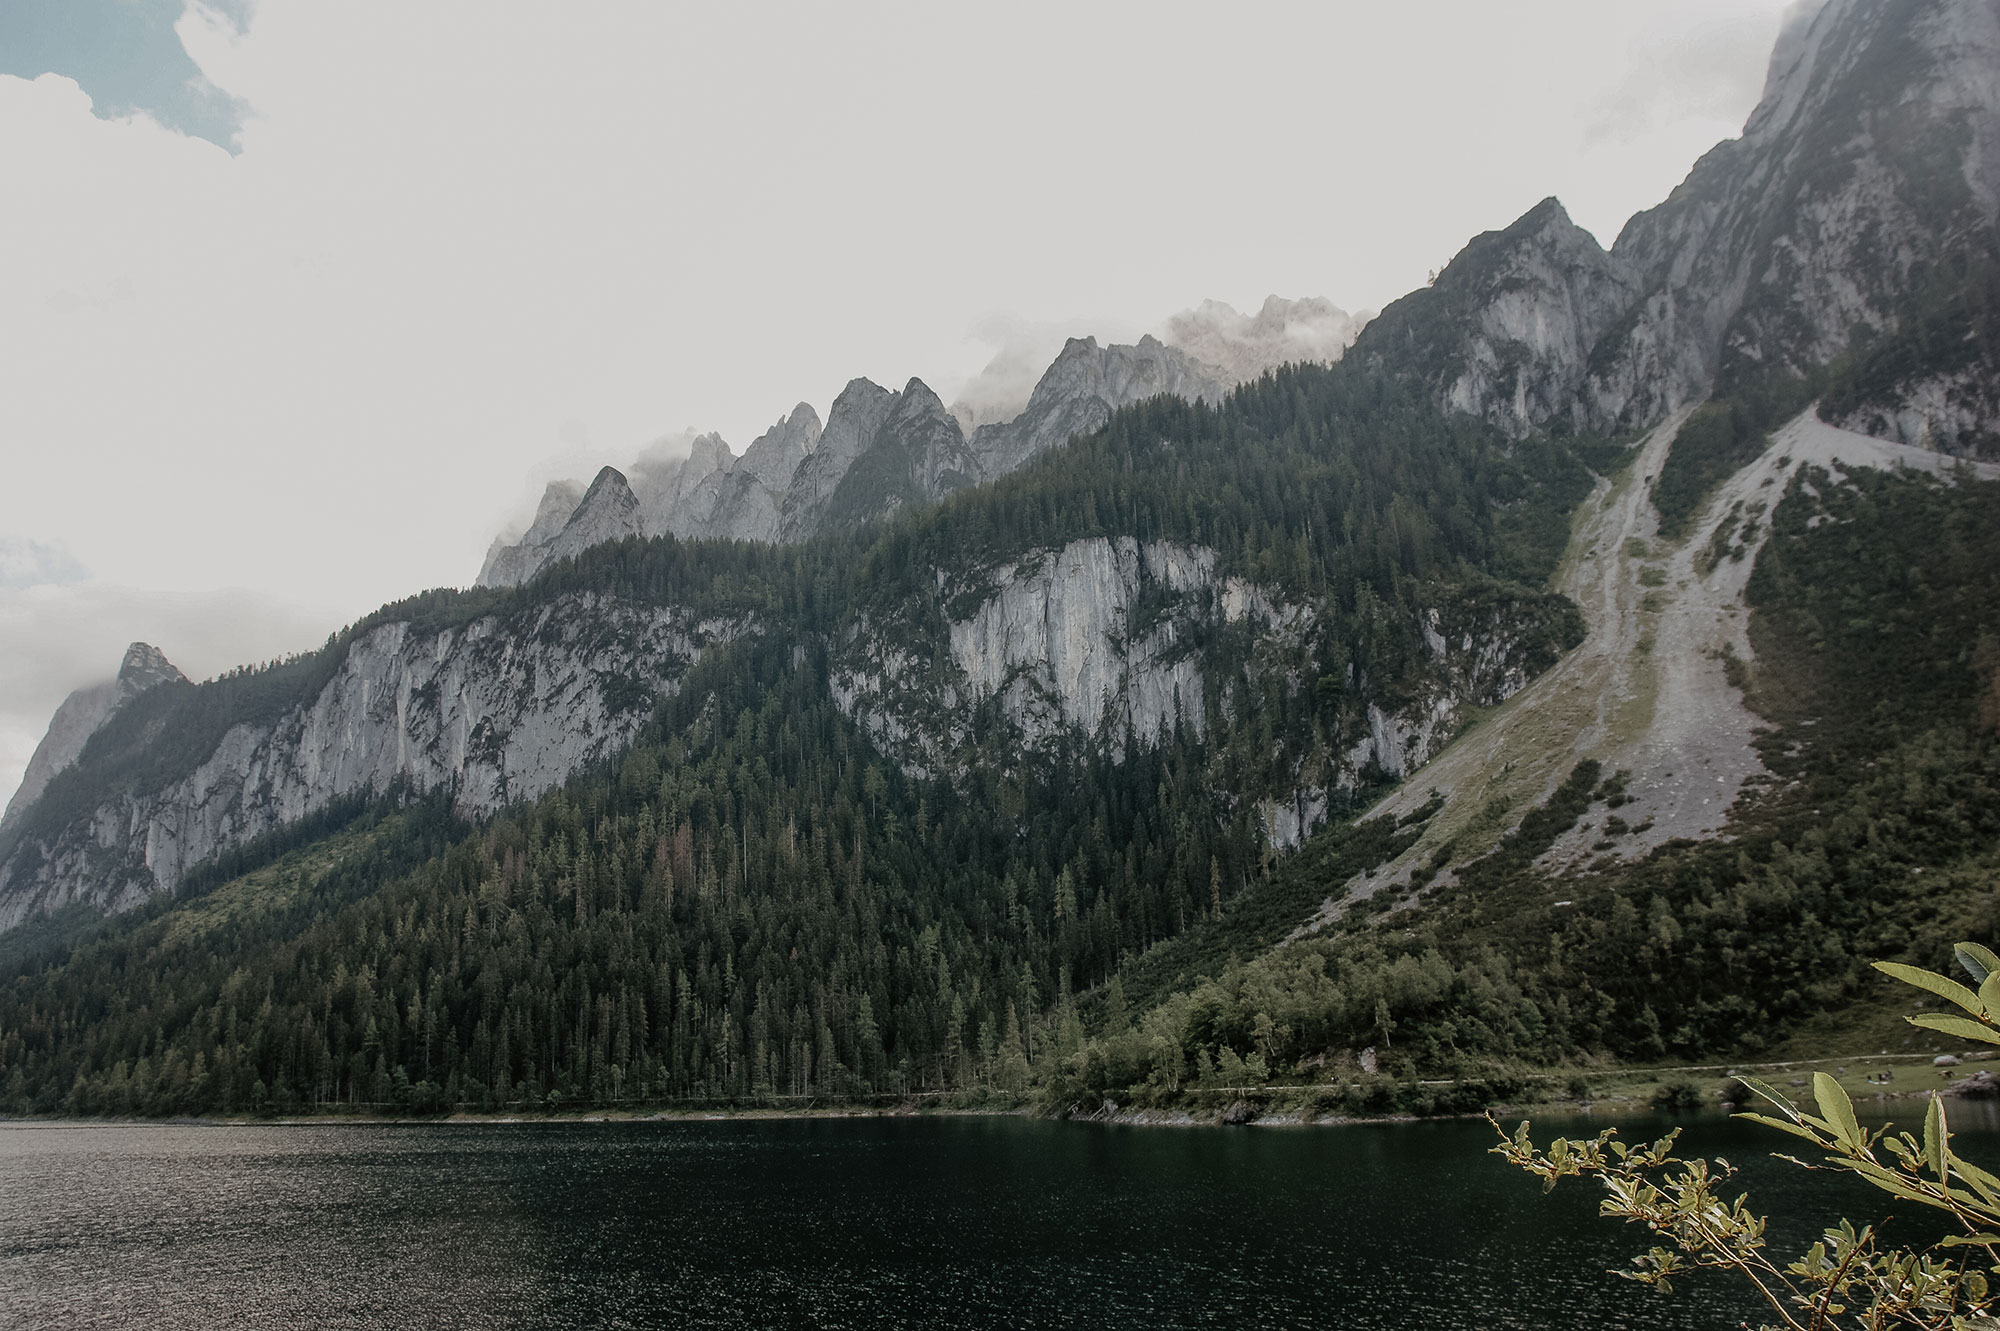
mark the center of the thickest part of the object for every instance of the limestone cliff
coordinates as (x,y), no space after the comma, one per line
(1108,640)
(500,710)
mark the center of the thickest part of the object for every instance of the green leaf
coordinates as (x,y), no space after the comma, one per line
(1782,1126)
(1887,1180)
(1950,990)
(1985,1184)
(1970,1240)
(1989,993)
(1839,1111)
(1772,1094)
(1934,1138)
(1978,962)
(1970,1030)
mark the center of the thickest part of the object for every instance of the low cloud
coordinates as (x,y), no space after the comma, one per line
(1022,349)
(1283,332)
(1709,68)
(26,563)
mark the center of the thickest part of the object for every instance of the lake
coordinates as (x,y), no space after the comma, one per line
(975,1222)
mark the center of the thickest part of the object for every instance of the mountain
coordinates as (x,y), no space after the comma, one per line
(1558,679)
(1081,389)
(1846,220)
(82,715)
(508,563)
(880,451)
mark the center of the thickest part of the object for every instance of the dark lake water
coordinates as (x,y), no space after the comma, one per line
(966,1222)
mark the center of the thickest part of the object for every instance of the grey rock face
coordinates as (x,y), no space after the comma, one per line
(851,427)
(500,710)
(741,502)
(1874,151)
(1507,331)
(1955,411)
(675,495)
(916,454)
(608,511)
(1096,639)
(1057,644)
(509,565)
(81,715)
(1081,390)
(1873,159)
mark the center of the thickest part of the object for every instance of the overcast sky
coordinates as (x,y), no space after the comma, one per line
(301,300)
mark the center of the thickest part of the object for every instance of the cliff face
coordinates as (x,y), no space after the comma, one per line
(1507,331)
(1105,640)
(1873,156)
(1109,640)
(501,710)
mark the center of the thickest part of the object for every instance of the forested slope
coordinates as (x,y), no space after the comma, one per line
(757,899)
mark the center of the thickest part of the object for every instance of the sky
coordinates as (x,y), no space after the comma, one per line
(301,301)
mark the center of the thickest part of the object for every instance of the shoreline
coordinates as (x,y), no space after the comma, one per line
(1622,1093)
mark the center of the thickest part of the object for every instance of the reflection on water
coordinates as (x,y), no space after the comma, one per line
(872,1222)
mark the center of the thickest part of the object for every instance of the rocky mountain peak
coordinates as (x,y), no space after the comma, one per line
(775,454)
(1507,330)
(783,485)
(146,666)
(609,512)
(82,715)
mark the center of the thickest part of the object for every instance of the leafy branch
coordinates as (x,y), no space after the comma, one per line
(1849,1278)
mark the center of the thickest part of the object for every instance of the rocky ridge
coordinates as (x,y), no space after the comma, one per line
(500,710)
(880,450)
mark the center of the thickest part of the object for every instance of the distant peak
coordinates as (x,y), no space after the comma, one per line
(145,666)
(1546,215)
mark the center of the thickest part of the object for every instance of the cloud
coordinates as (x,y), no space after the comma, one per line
(1709,66)
(129,57)
(25,564)
(1282,331)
